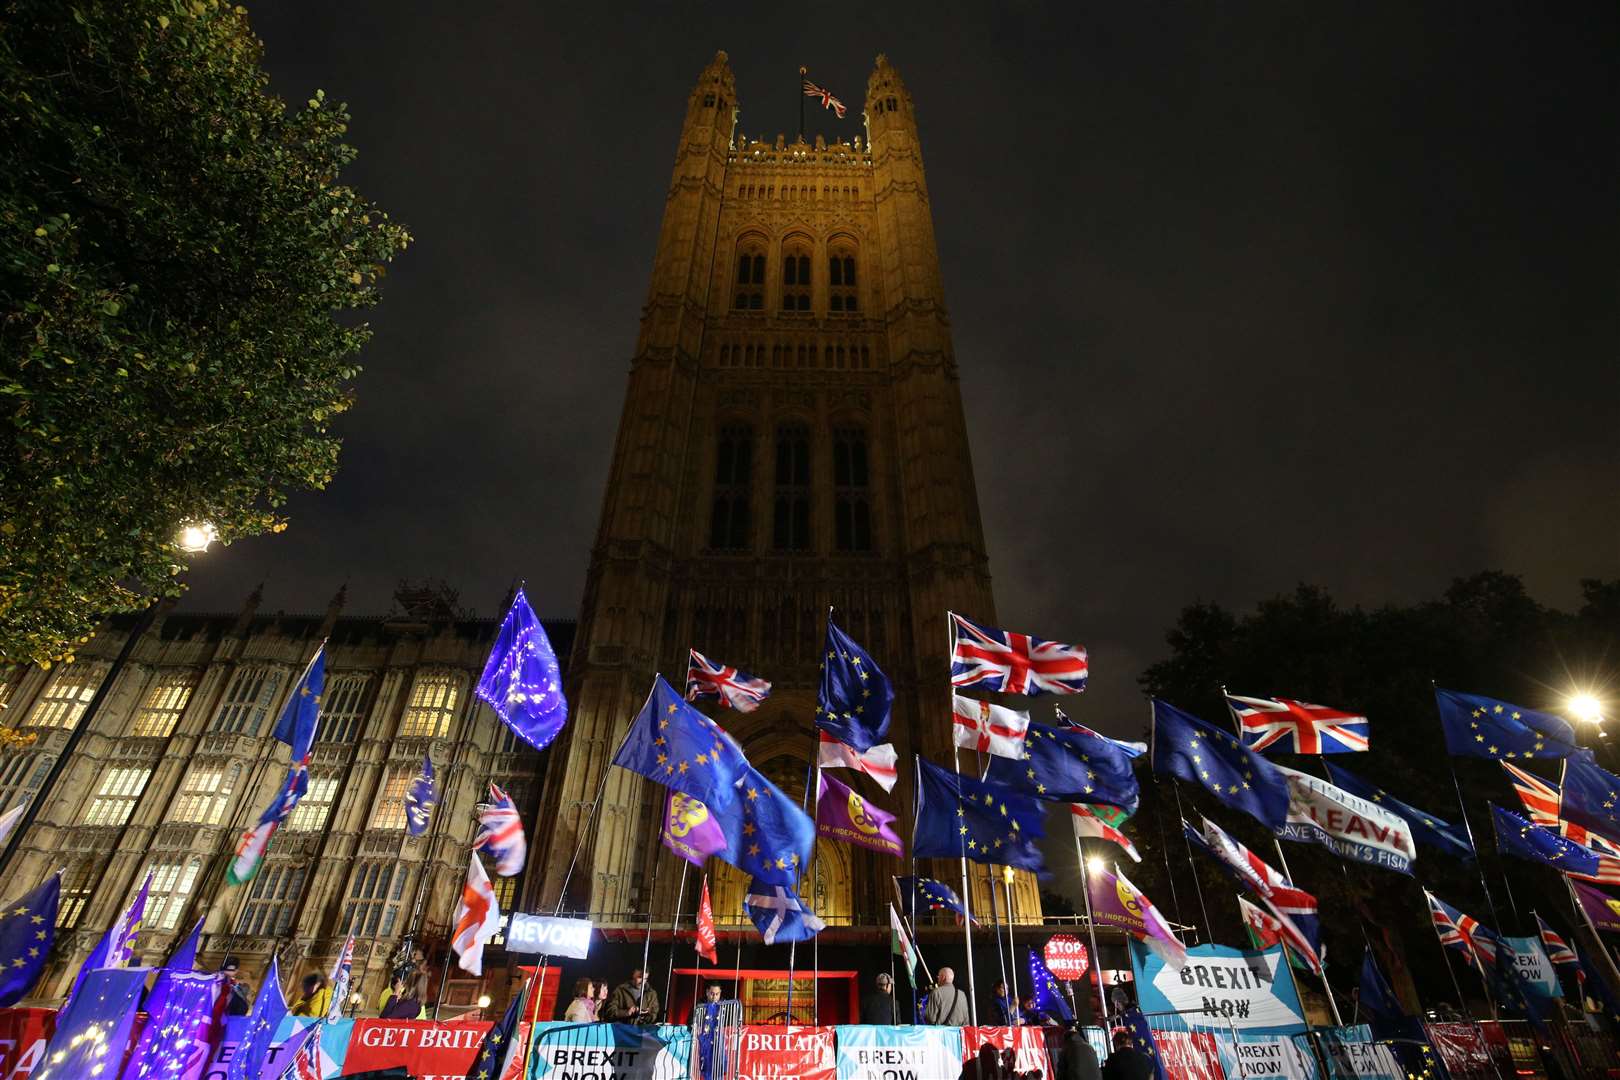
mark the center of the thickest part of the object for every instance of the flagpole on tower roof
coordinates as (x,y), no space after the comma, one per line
(803,72)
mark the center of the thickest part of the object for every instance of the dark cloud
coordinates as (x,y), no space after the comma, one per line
(1242,295)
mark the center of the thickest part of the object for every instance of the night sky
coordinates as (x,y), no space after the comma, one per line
(1243,295)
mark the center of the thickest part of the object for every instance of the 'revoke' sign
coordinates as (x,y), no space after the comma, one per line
(548,935)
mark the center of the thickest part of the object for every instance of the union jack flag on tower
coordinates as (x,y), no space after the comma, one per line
(1298,727)
(984,658)
(811,90)
(737,688)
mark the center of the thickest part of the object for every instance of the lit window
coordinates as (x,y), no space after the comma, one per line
(852,510)
(64,700)
(374,896)
(505,889)
(841,290)
(270,905)
(796,278)
(248,699)
(115,799)
(78,884)
(790,524)
(22,773)
(433,704)
(733,474)
(750,278)
(342,708)
(389,811)
(172,883)
(205,793)
(313,809)
(166,698)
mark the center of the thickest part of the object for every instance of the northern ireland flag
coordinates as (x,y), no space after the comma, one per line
(988,728)
(877,762)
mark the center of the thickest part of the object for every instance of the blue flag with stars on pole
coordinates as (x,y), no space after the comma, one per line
(767,835)
(420,798)
(1484,727)
(1590,796)
(269,1009)
(671,742)
(935,895)
(521,680)
(1186,747)
(296,725)
(1426,827)
(93,1026)
(1136,1026)
(960,817)
(855,696)
(1069,765)
(1048,996)
(1521,838)
(500,1043)
(26,931)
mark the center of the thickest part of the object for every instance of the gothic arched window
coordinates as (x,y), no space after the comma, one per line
(733,471)
(842,294)
(790,522)
(852,493)
(750,277)
(796,276)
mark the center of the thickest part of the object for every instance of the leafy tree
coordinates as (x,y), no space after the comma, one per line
(175,250)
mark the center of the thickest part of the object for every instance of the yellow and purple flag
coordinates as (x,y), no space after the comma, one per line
(1116,902)
(842,813)
(690,831)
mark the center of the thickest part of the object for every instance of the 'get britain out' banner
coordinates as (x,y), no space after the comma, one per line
(1220,989)
(786,1053)
(430,1050)
(610,1052)
(899,1053)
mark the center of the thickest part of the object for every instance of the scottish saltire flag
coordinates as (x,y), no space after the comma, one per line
(1116,902)
(521,680)
(779,915)
(269,1009)
(706,679)
(1590,797)
(296,725)
(501,1044)
(1522,839)
(901,946)
(478,918)
(855,696)
(690,831)
(420,798)
(986,728)
(1186,747)
(1101,823)
(1069,765)
(1484,727)
(936,895)
(117,945)
(27,930)
(92,1028)
(1048,994)
(768,835)
(255,842)
(1426,828)
(878,762)
(811,90)
(179,1029)
(844,814)
(960,817)
(1293,907)
(1136,1026)
(500,832)
(1298,727)
(1377,996)
(339,982)
(1542,801)
(671,742)
(1464,933)
(1004,662)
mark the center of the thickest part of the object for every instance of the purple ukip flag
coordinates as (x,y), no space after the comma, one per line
(690,831)
(842,813)
(1601,908)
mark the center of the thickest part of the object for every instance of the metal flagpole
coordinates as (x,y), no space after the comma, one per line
(1444,953)
(1091,927)
(1012,945)
(1333,1004)
(646,942)
(995,922)
(967,894)
(674,935)
(1175,786)
(803,72)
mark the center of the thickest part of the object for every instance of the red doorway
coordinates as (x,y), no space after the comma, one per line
(764,996)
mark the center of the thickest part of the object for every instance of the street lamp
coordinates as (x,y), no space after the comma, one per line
(1095,864)
(1585,707)
(195,536)
(483,1001)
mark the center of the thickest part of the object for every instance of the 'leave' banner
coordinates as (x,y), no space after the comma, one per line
(1345,824)
(899,1053)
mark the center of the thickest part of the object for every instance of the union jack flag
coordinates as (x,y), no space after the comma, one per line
(1463,932)
(1558,950)
(500,832)
(308,1063)
(811,90)
(1299,726)
(984,658)
(1541,803)
(340,985)
(1294,909)
(707,679)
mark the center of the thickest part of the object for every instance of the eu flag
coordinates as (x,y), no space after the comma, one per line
(521,680)
(269,1009)
(1591,797)
(1069,765)
(1484,727)
(296,726)
(960,817)
(501,1043)
(1136,1026)
(1523,839)
(767,835)
(27,929)
(1377,996)
(1426,827)
(674,744)
(1186,747)
(936,895)
(855,695)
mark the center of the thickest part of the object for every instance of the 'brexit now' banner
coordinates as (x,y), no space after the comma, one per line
(899,1053)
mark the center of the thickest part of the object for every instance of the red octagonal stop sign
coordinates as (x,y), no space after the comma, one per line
(1066,957)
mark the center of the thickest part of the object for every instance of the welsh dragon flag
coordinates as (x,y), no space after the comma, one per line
(902,946)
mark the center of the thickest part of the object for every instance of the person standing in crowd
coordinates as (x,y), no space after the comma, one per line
(237,1002)
(1029,1014)
(708,1028)
(1126,1062)
(879,1007)
(633,1001)
(582,1010)
(402,1003)
(1079,1059)
(315,998)
(947,1006)
(1003,1010)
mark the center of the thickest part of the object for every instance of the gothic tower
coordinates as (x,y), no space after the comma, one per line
(792,440)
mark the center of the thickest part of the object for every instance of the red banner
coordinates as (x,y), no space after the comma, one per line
(790,1053)
(1033,1045)
(23,1035)
(1461,1048)
(1188,1055)
(428,1050)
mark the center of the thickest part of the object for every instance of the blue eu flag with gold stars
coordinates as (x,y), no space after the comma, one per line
(296,725)
(1069,765)
(1186,747)
(853,705)
(674,744)
(500,1044)
(1590,796)
(522,681)
(960,817)
(1142,1039)
(1484,727)
(26,931)
(767,835)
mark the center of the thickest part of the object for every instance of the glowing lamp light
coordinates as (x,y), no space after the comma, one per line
(1007,874)
(1095,864)
(1585,707)
(195,536)
(483,1001)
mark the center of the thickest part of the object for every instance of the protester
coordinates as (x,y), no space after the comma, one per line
(237,1002)
(402,1003)
(708,1028)
(315,998)
(1029,1014)
(947,1006)
(601,998)
(879,1006)
(582,1010)
(633,1001)
(986,1065)
(1003,1012)
(1079,1059)
(1126,1062)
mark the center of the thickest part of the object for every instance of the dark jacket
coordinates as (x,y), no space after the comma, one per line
(1079,1059)
(237,1004)
(627,1006)
(401,1007)
(1128,1065)
(880,1008)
